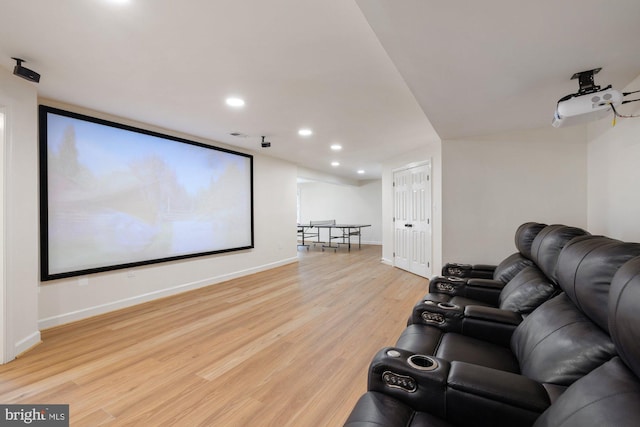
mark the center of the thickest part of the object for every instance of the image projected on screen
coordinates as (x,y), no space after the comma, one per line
(115,196)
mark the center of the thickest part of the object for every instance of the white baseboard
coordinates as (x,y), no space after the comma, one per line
(73,316)
(26,343)
(387,261)
(353,243)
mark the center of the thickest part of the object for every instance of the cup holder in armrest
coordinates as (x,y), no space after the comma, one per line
(422,362)
(442,305)
(448,306)
(454,279)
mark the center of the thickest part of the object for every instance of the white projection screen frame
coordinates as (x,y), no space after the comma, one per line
(113,196)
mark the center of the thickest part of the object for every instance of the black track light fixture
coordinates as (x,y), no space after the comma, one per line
(24,72)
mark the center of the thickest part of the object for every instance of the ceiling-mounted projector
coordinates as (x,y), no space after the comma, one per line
(585,108)
(590,103)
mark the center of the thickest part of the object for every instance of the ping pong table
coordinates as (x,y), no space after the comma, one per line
(347,231)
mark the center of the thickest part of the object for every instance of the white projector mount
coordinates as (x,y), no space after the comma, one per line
(589,103)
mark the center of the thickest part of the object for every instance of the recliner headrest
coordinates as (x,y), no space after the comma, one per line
(624,313)
(547,245)
(525,234)
(510,267)
(514,263)
(586,267)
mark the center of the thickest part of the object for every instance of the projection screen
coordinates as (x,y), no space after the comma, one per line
(114,196)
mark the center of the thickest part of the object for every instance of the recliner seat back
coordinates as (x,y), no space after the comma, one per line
(590,269)
(559,342)
(526,291)
(531,286)
(610,394)
(548,244)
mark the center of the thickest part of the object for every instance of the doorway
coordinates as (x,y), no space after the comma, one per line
(3,354)
(412,219)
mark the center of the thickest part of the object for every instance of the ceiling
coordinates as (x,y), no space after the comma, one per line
(498,65)
(371,75)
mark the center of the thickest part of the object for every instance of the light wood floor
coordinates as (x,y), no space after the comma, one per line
(286,347)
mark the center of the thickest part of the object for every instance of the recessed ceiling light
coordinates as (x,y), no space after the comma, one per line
(305,132)
(360,171)
(336,147)
(236,102)
(335,164)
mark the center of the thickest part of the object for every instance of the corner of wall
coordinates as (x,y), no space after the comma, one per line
(613,206)
(19,193)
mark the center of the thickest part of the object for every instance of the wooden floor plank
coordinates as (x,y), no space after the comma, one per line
(285,347)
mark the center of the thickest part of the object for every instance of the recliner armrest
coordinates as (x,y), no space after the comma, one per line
(490,324)
(492,397)
(492,314)
(436,311)
(420,387)
(489,397)
(484,267)
(486,283)
(468,270)
(449,285)
(484,290)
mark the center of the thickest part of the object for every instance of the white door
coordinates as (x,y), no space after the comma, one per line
(412,219)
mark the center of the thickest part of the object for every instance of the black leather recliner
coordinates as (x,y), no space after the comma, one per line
(529,288)
(536,346)
(448,394)
(508,267)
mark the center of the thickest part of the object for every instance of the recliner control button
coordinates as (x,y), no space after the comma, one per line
(393,380)
(435,318)
(444,287)
(393,353)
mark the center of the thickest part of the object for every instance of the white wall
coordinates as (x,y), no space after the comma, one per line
(71,299)
(20,196)
(3,285)
(492,184)
(430,152)
(614,173)
(347,204)
(305,174)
